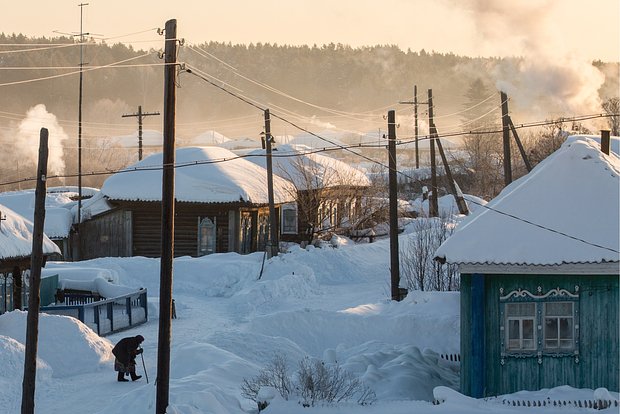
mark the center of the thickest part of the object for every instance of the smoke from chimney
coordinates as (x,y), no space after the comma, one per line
(546,77)
(24,140)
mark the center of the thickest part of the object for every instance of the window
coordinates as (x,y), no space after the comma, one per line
(521,319)
(289,219)
(559,325)
(206,236)
(539,324)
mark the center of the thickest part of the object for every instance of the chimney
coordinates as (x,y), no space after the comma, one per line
(605,141)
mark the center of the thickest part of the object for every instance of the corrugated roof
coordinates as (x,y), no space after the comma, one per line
(567,210)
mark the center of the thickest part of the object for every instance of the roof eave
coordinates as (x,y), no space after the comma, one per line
(592,268)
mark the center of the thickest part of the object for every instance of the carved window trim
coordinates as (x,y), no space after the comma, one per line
(539,299)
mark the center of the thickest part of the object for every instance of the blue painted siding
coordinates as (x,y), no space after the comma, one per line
(599,336)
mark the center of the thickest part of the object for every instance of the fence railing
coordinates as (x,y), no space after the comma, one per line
(105,316)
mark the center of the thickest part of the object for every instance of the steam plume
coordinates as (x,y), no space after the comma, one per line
(26,139)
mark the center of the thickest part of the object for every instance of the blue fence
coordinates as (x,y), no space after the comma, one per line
(105,316)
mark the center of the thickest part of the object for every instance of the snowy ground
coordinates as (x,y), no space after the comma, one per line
(329,303)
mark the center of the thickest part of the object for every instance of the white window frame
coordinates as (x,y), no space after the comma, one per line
(287,208)
(541,302)
(521,341)
(558,330)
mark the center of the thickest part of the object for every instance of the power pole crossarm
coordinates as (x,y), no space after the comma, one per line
(140,115)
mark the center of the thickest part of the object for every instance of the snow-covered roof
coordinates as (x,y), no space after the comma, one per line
(308,170)
(242,143)
(203,175)
(565,211)
(150,138)
(16,236)
(328,139)
(58,204)
(208,138)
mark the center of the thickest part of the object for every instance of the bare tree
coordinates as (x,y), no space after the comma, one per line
(328,198)
(612,108)
(418,267)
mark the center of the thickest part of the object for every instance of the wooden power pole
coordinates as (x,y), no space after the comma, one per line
(393,187)
(140,115)
(456,193)
(273,244)
(34,300)
(433,207)
(415,104)
(506,140)
(167,221)
(506,120)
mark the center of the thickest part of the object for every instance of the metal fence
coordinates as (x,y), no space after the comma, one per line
(105,316)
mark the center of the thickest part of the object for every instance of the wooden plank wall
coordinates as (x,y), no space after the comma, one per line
(147,228)
(109,235)
(599,325)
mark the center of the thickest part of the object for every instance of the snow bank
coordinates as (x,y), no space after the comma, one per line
(12,362)
(86,353)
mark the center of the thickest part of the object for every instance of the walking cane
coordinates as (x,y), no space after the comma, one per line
(144,366)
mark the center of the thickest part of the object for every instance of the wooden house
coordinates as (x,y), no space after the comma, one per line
(15,257)
(60,211)
(221,205)
(328,192)
(539,278)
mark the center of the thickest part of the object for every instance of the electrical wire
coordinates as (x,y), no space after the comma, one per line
(35,49)
(350,115)
(111,65)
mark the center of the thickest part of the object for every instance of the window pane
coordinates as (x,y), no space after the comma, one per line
(528,329)
(528,344)
(566,328)
(513,329)
(559,309)
(520,309)
(551,328)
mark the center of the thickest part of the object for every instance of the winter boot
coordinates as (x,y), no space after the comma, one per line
(121,377)
(135,377)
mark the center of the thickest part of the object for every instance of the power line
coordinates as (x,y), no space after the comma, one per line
(111,65)
(544,227)
(35,49)
(157,167)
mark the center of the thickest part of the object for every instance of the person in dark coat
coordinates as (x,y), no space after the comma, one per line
(125,352)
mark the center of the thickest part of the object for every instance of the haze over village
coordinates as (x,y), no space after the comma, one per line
(293,207)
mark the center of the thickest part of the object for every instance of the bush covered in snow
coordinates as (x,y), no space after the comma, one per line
(315,382)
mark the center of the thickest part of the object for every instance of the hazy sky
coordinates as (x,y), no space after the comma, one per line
(584,28)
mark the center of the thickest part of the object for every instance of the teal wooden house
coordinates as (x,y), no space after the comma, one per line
(539,278)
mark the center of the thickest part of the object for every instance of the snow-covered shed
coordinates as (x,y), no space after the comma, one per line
(221,206)
(15,256)
(539,278)
(328,191)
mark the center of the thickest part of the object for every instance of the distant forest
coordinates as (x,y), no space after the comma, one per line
(334,76)
(334,83)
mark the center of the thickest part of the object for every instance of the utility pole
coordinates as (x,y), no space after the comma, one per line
(415,104)
(140,115)
(393,187)
(34,300)
(508,120)
(506,140)
(79,208)
(272,247)
(458,195)
(415,125)
(167,221)
(433,208)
